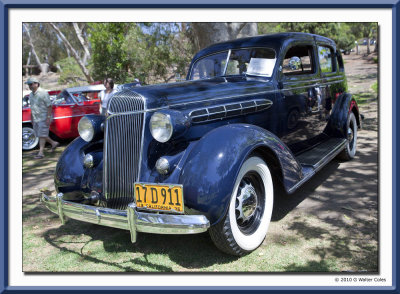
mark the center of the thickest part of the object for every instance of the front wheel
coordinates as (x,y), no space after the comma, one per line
(349,151)
(246,222)
(29,139)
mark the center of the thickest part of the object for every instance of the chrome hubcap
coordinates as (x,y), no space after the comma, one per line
(350,137)
(246,203)
(28,138)
(250,203)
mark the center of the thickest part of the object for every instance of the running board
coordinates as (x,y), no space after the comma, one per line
(316,158)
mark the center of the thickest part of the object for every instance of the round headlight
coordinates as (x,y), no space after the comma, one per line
(161,127)
(86,129)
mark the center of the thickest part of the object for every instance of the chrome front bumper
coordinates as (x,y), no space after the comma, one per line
(130,219)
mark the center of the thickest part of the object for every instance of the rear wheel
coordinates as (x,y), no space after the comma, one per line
(349,151)
(29,139)
(246,222)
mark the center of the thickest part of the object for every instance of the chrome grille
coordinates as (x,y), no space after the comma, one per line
(123,144)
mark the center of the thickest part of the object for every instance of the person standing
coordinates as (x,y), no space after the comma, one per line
(41,112)
(106,94)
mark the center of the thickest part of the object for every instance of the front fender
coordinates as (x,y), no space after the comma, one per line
(72,178)
(336,126)
(210,170)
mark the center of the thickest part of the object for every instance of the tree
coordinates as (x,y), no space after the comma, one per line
(211,33)
(109,58)
(44,67)
(152,52)
(83,41)
(158,51)
(75,54)
(365,30)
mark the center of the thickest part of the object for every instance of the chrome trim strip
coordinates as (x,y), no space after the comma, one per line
(310,86)
(130,219)
(105,160)
(61,117)
(142,143)
(301,182)
(339,79)
(264,104)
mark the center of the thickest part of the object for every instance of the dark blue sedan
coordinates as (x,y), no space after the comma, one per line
(209,152)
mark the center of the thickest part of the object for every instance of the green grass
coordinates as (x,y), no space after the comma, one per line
(375,87)
(298,243)
(365,98)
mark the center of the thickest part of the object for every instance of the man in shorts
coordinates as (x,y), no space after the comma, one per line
(41,111)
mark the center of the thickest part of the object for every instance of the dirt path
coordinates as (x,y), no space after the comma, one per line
(361,72)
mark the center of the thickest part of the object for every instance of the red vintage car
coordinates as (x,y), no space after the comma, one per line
(69,106)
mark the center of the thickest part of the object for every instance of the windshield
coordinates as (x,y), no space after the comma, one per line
(249,61)
(64,98)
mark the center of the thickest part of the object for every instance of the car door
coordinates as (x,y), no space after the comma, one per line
(66,115)
(91,102)
(301,96)
(333,81)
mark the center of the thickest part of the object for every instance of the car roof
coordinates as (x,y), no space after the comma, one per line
(272,40)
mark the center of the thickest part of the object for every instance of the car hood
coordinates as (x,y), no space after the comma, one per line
(202,91)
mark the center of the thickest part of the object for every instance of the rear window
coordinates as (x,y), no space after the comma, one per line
(327,59)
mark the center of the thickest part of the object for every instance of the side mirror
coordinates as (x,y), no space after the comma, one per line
(294,63)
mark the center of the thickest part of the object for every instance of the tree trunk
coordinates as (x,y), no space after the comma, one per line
(368,47)
(28,62)
(83,42)
(75,54)
(42,66)
(210,33)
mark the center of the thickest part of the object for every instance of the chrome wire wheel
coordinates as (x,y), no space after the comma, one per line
(29,139)
(246,222)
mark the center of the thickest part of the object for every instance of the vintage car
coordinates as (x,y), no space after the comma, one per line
(52,95)
(209,153)
(69,106)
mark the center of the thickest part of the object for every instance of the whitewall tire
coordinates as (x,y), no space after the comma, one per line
(245,225)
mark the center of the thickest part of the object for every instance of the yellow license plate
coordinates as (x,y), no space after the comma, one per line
(159,197)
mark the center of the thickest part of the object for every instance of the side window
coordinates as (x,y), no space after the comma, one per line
(327,59)
(298,60)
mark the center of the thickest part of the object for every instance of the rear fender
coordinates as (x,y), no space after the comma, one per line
(210,169)
(345,104)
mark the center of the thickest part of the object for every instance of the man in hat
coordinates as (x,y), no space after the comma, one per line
(41,111)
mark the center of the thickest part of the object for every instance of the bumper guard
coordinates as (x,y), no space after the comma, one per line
(130,219)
